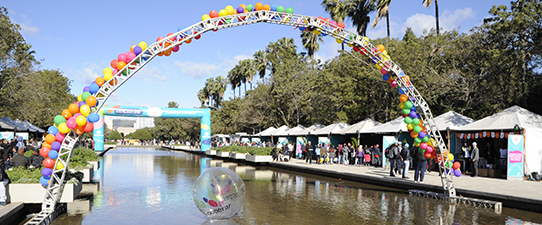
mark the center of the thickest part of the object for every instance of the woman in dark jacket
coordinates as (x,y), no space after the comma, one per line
(421,164)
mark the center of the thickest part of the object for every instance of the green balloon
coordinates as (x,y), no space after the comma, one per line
(418,140)
(85,95)
(421,150)
(279,9)
(59,119)
(408,120)
(425,139)
(448,164)
(250,7)
(417,129)
(126,72)
(408,105)
(406,111)
(416,121)
(290,10)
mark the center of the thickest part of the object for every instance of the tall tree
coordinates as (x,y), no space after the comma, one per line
(310,41)
(260,63)
(383,10)
(427,3)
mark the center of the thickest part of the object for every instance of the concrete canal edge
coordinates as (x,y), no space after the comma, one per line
(509,201)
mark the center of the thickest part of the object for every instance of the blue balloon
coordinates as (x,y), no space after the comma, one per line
(402,90)
(44,181)
(94,88)
(55,145)
(86,89)
(386,77)
(137,50)
(46,172)
(273,7)
(323,34)
(53,154)
(302,28)
(413,108)
(52,130)
(93,117)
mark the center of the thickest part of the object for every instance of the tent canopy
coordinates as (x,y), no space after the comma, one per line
(308,130)
(332,128)
(266,132)
(363,125)
(506,120)
(34,126)
(15,125)
(298,128)
(451,120)
(393,126)
(281,131)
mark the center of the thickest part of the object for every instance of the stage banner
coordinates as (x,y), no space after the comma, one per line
(245,140)
(7,135)
(24,135)
(386,141)
(323,140)
(300,141)
(256,140)
(515,157)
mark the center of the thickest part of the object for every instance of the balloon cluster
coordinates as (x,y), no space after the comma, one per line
(229,10)
(322,21)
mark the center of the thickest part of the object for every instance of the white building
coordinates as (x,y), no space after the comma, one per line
(142,122)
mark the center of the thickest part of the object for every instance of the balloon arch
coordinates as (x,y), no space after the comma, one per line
(81,116)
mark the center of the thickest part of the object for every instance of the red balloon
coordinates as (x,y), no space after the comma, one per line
(427,155)
(49,163)
(88,127)
(213,14)
(45,151)
(114,63)
(456,165)
(341,25)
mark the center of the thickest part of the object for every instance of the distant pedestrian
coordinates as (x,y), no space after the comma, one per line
(421,164)
(406,158)
(393,155)
(475,156)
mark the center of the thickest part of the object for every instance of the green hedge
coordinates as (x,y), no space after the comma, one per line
(245,150)
(81,157)
(20,175)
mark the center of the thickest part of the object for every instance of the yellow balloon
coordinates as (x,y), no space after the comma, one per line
(340,41)
(366,40)
(85,110)
(417,144)
(229,10)
(385,52)
(402,105)
(59,166)
(410,126)
(108,70)
(450,156)
(108,76)
(222,13)
(378,66)
(63,128)
(205,17)
(350,45)
(81,120)
(80,98)
(143,45)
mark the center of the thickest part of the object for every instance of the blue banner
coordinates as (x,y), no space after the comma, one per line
(515,157)
(386,141)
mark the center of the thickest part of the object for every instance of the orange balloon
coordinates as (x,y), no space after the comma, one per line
(100,81)
(66,114)
(73,108)
(189,41)
(258,6)
(121,65)
(79,130)
(267,7)
(167,52)
(91,100)
(161,54)
(113,81)
(414,134)
(132,48)
(50,138)
(243,6)
(403,98)
(380,48)
(46,145)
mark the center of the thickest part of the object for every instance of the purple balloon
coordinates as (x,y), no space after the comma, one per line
(86,89)
(412,114)
(55,145)
(81,103)
(46,172)
(137,50)
(421,134)
(457,173)
(240,10)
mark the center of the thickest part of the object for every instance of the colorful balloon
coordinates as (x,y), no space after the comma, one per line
(408,120)
(99,81)
(88,127)
(93,117)
(91,101)
(143,45)
(48,163)
(81,120)
(281,9)
(138,49)
(46,172)
(44,180)
(59,137)
(114,63)
(66,113)
(85,110)
(290,10)
(53,154)
(59,119)
(79,130)
(205,17)
(52,130)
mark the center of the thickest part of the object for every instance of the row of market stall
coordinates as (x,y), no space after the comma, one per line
(491,134)
(10,129)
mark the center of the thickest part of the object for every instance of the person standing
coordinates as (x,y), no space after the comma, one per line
(323,153)
(4,180)
(359,154)
(308,152)
(466,154)
(393,156)
(421,164)
(475,157)
(406,158)
(340,154)
(331,152)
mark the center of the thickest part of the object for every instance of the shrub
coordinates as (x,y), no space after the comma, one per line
(80,158)
(20,175)
(245,150)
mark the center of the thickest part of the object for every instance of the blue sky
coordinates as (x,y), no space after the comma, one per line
(80,38)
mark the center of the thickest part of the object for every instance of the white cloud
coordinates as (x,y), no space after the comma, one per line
(152,73)
(449,21)
(198,70)
(420,22)
(88,73)
(328,49)
(26,26)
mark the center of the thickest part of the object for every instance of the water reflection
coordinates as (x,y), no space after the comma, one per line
(146,186)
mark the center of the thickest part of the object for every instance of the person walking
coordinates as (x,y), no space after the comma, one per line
(406,158)
(475,156)
(393,155)
(323,153)
(360,153)
(421,164)
(308,152)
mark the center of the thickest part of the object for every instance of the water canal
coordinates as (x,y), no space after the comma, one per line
(149,186)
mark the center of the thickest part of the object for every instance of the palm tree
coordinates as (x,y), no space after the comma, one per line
(234,80)
(276,51)
(246,70)
(202,96)
(383,9)
(260,63)
(310,41)
(427,3)
(357,10)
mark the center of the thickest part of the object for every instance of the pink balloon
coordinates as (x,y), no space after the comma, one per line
(393,83)
(60,137)
(115,71)
(383,71)
(71,122)
(334,23)
(175,49)
(423,145)
(130,56)
(122,57)
(76,115)
(429,149)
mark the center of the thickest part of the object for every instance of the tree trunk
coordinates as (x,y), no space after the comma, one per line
(436,16)
(234,93)
(388,23)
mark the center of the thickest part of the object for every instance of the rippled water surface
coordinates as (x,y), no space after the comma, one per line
(148,186)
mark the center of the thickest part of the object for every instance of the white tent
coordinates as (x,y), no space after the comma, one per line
(308,130)
(451,120)
(393,126)
(363,125)
(332,128)
(266,132)
(506,121)
(296,129)
(281,131)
